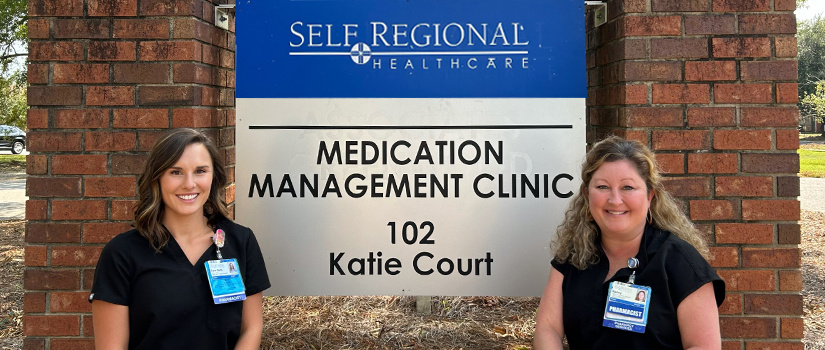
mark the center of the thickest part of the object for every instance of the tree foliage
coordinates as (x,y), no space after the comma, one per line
(816,101)
(13,32)
(811,41)
(811,44)
(13,38)
(13,100)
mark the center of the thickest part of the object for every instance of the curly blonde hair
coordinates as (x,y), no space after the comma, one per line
(576,236)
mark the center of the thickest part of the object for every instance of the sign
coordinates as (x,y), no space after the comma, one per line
(408,147)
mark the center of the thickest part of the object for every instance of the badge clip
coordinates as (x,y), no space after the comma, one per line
(219,238)
(632,263)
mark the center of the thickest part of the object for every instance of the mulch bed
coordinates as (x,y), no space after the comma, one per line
(11,289)
(813,278)
(390,322)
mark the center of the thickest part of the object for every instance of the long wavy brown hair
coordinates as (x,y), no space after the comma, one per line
(576,236)
(165,153)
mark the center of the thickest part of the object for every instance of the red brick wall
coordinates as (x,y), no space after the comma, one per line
(710,86)
(106,78)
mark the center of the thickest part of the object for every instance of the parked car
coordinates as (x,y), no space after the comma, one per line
(11,137)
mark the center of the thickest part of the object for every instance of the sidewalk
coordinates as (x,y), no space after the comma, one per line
(13,196)
(812,193)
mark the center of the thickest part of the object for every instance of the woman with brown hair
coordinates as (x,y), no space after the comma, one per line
(624,235)
(166,284)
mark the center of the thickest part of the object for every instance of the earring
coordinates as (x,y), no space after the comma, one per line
(649,216)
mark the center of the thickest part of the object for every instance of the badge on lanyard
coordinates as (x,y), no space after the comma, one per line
(627,304)
(224,276)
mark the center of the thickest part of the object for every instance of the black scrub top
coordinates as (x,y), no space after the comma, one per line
(669,265)
(170,303)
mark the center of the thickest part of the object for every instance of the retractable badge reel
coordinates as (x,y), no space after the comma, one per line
(627,303)
(224,275)
(219,238)
(632,263)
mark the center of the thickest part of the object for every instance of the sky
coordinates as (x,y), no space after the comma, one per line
(813,8)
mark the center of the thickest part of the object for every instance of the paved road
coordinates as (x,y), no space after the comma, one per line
(25,152)
(13,195)
(813,193)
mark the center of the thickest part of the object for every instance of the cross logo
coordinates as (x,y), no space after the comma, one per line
(360,53)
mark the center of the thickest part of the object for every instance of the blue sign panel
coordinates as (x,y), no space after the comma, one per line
(410,49)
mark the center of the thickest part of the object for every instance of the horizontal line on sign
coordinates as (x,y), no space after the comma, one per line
(407,127)
(416,53)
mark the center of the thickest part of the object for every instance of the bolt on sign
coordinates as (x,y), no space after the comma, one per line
(420,147)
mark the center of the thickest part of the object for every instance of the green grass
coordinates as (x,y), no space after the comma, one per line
(811,163)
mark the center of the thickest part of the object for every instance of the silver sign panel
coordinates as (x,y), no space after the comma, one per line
(403,196)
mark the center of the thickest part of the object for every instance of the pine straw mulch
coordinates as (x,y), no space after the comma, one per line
(813,278)
(11,289)
(391,322)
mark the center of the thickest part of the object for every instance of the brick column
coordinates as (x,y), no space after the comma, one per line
(106,78)
(710,86)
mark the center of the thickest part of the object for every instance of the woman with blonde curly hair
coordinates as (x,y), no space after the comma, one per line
(624,234)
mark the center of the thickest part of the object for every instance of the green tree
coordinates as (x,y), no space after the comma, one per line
(811,42)
(814,103)
(13,40)
(816,100)
(13,100)
(13,32)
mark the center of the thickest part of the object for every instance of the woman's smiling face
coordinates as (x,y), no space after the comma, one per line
(185,186)
(619,199)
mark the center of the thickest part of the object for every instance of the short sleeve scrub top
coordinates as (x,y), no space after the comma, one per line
(169,299)
(669,265)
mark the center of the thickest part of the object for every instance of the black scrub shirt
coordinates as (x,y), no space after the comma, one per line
(170,303)
(669,265)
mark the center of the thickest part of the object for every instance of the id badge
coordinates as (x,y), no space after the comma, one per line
(627,307)
(225,281)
